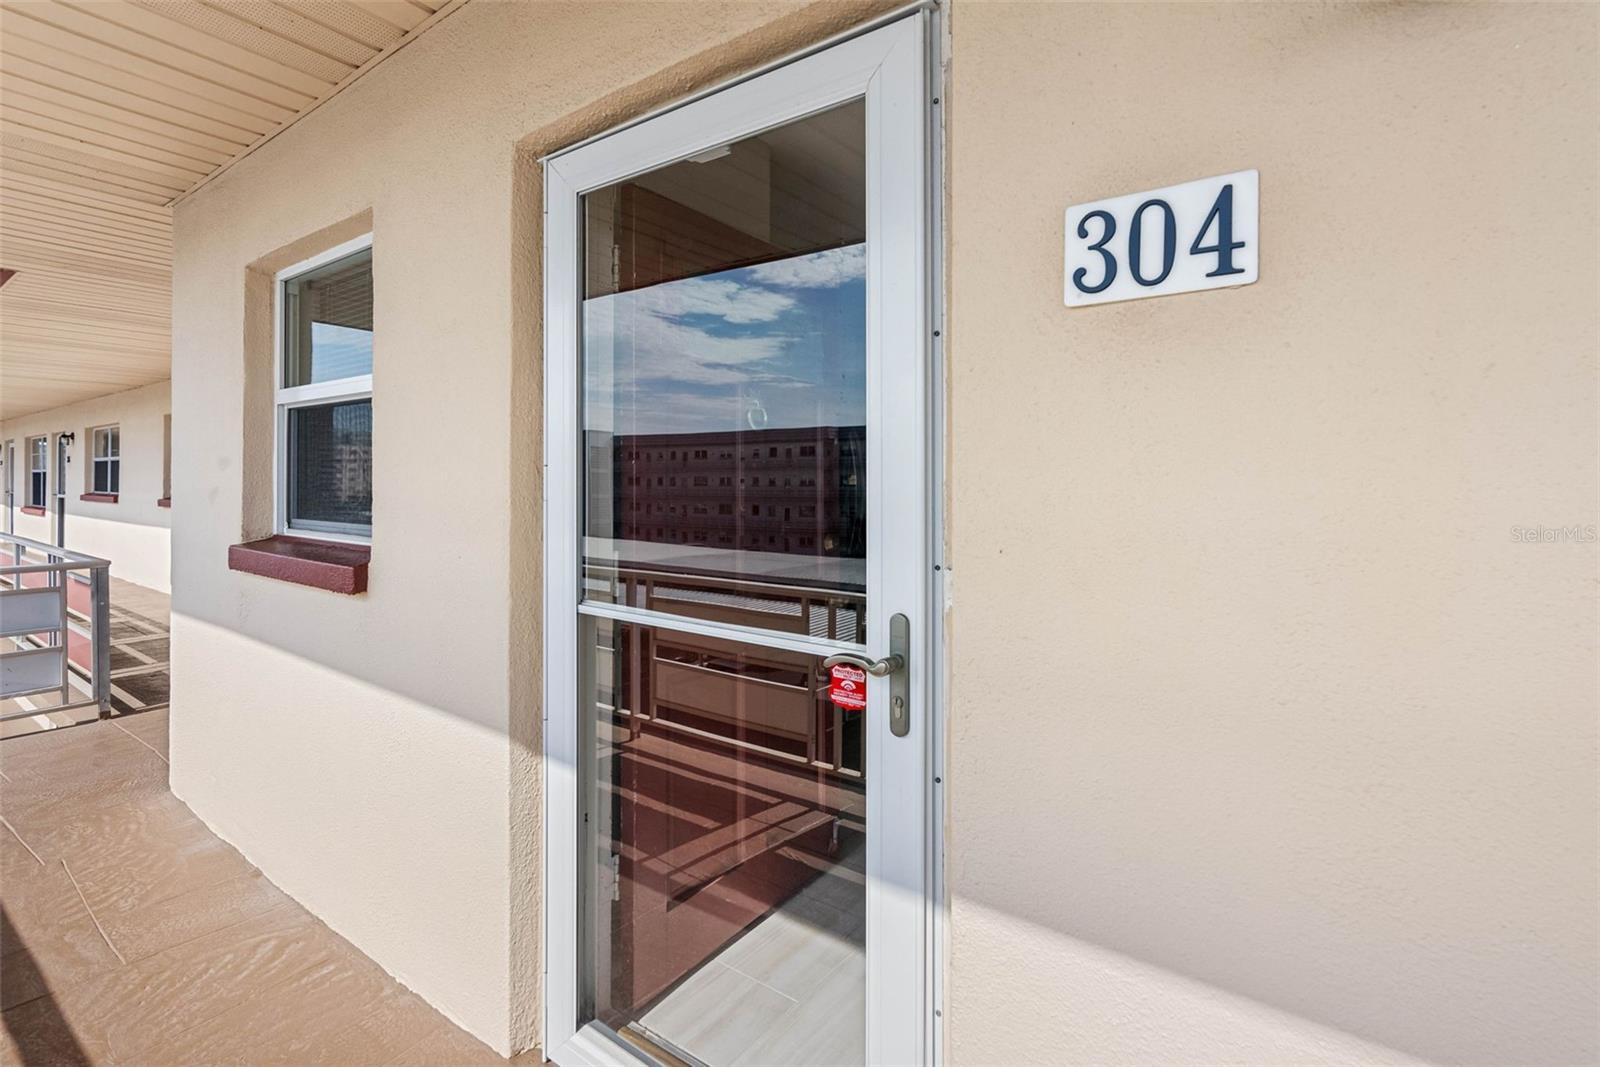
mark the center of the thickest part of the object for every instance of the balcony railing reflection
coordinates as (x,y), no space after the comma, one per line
(771,700)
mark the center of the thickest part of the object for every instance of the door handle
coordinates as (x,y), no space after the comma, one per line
(878,668)
(893,667)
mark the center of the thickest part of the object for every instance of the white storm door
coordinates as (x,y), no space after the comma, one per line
(737,541)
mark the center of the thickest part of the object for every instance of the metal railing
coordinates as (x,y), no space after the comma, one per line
(48,597)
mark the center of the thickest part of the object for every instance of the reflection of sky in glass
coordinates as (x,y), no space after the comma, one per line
(339,352)
(782,344)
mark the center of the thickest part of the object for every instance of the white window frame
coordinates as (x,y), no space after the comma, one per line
(287,398)
(38,455)
(110,459)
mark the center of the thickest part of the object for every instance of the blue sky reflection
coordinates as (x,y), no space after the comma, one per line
(339,352)
(778,345)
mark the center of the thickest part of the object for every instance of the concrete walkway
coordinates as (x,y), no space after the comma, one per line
(134,937)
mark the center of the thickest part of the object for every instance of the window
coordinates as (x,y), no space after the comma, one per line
(38,470)
(105,466)
(324,394)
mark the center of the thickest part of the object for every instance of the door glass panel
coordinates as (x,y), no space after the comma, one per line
(724,391)
(725,845)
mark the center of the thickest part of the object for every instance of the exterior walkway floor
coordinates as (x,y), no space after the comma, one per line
(134,937)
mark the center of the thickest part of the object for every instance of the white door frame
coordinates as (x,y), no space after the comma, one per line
(889,66)
(10,488)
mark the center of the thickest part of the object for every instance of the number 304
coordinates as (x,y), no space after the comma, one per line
(1157,212)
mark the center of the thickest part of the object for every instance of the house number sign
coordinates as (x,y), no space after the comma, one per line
(1199,235)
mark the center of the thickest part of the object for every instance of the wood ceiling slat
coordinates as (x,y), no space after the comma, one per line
(104,373)
(38,186)
(135,299)
(27,191)
(33,258)
(105,339)
(23,249)
(104,360)
(293,26)
(83,125)
(97,56)
(137,307)
(42,227)
(14,229)
(101,338)
(395,12)
(88,184)
(86,349)
(224,55)
(96,25)
(89,347)
(137,303)
(118,376)
(68,68)
(19,147)
(13,205)
(41,309)
(17,75)
(228,26)
(151,160)
(44,310)
(139,323)
(347,20)
(127,294)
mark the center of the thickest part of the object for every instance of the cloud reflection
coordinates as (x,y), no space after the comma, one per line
(698,354)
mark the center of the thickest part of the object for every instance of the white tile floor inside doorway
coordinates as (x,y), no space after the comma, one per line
(790,990)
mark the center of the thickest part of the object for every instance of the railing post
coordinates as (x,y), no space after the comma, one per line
(100,635)
(61,637)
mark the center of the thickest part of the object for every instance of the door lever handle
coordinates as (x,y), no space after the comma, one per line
(878,668)
(892,666)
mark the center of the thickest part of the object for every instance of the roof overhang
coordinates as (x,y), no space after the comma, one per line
(112,110)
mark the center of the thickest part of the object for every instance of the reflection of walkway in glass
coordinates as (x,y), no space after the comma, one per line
(790,990)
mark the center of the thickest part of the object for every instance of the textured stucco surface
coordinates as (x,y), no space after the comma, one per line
(134,533)
(377,755)
(1263,725)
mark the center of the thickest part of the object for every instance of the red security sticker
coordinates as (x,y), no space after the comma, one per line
(848,687)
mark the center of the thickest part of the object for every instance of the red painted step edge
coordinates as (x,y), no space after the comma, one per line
(330,565)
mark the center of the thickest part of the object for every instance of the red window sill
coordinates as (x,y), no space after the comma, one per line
(330,565)
(164,502)
(100,498)
(29,509)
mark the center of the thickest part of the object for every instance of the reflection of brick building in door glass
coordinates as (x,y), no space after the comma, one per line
(799,491)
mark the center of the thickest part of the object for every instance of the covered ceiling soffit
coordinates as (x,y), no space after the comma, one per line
(110,110)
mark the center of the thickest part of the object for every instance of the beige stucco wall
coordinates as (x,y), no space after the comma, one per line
(1263,724)
(134,533)
(376,755)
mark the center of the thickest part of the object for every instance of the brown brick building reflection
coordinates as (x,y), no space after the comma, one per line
(797,491)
